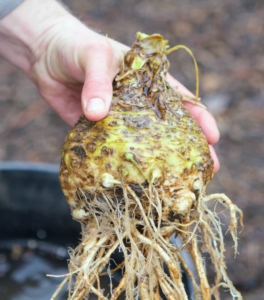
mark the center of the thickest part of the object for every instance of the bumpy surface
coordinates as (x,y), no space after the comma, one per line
(136,178)
(148,126)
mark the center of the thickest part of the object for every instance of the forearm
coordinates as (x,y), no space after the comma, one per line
(22,30)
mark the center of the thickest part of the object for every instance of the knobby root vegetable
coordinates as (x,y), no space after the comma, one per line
(138,177)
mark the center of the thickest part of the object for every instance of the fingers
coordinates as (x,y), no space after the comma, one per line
(181,87)
(97,90)
(103,60)
(206,121)
(97,96)
(201,115)
(215,159)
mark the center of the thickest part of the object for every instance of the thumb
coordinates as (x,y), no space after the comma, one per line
(97,89)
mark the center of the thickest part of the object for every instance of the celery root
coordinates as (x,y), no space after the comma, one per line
(138,177)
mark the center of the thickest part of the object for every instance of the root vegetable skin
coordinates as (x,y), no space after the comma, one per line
(135,178)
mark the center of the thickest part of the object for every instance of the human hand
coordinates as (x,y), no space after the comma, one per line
(72,66)
(204,119)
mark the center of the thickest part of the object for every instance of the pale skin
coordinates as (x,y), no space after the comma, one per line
(73,66)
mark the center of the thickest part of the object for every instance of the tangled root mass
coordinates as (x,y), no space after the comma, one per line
(144,238)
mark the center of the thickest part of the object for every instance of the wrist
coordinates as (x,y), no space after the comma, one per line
(22,31)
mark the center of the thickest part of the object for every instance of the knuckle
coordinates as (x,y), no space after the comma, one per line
(97,80)
(101,47)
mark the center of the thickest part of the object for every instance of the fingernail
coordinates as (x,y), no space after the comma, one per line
(95,104)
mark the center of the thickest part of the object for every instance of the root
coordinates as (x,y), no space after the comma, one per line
(59,288)
(205,289)
(114,270)
(137,226)
(233,210)
(120,288)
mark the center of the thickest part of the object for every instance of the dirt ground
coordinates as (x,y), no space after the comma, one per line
(227,40)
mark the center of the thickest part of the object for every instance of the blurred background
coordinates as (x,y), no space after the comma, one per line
(227,39)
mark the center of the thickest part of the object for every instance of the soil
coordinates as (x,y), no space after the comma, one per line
(227,40)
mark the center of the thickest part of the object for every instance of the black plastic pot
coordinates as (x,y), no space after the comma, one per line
(36,230)
(34,213)
(32,204)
